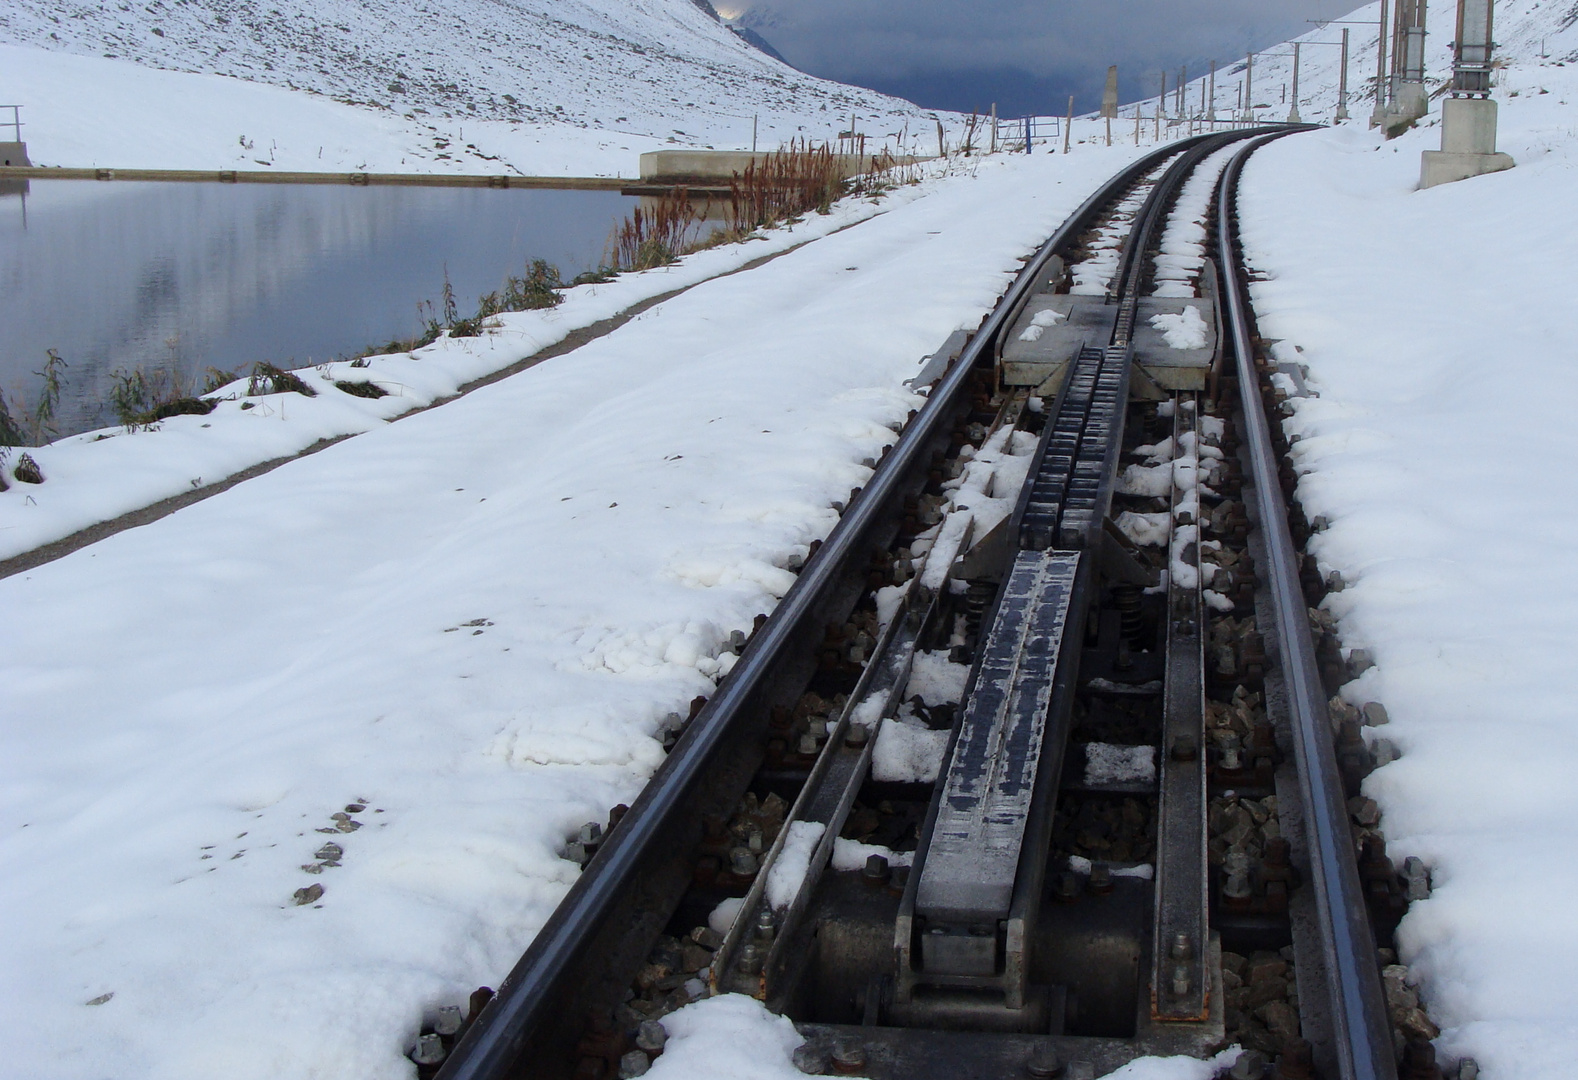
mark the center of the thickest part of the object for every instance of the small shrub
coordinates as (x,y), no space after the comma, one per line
(600,276)
(216,379)
(361,389)
(655,236)
(130,396)
(27,470)
(10,431)
(268,379)
(42,420)
(465,328)
(140,399)
(182,406)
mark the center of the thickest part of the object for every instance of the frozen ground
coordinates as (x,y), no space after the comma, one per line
(471,623)
(529,86)
(1438,330)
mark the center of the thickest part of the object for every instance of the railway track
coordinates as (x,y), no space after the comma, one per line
(1033,771)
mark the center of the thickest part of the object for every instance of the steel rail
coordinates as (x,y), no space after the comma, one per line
(1362,1031)
(498,1042)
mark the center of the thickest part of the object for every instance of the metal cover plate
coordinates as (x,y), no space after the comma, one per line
(973,857)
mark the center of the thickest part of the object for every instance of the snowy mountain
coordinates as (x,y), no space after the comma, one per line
(669,70)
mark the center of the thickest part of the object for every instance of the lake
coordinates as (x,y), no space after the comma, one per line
(120,275)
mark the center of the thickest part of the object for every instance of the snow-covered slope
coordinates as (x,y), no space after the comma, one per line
(441,74)
(1437,327)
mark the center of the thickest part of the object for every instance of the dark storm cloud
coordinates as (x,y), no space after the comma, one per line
(961,54)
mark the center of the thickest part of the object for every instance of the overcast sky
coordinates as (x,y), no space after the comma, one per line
(1027,56)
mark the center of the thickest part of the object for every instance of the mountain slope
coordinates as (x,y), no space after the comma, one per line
(663,69)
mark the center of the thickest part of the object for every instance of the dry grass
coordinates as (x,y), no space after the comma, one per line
(654,236)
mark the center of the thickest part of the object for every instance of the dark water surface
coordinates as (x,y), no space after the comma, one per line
(121,275)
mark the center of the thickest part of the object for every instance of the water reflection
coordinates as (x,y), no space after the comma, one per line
(117,275)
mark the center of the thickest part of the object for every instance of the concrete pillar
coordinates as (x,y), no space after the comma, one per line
(1468,117)
(1342,80)
(1378,115)
(1410,99)
(1293,113)
(14,154)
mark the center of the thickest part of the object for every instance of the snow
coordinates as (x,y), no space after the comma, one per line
(1437,329)
(793,862)
(935,679)
(1106,763)
(222,681)
(1039,323)
(722,917)
(907,750)
(1182,248)
(537,88)
(1146,530)
(728,1037)
(1186,330)
(852,854)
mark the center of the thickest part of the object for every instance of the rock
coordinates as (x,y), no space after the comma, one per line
(1267,966)
(1281,1018)
(1230,980)
(1365,811)
(330,852)
(1414,1024)
(1399,995)
(693,957)
(1266,991)
(308,895)
(706,937)
(1234,963)
(1252,1036)
(651,974)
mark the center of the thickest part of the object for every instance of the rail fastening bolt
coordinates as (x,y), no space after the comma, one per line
(449,1020)
(750,961)
(429,1051)
(1182,947)
(742,862)
(1044,1061)
(876,870)
(849,1056)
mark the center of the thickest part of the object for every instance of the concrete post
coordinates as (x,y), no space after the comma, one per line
(1468,117)
(1210,112)
(1342,80)
(1378,115)
(1410,100)
(1293,113)
(1109,100)
(1249,88)
(1068,128)
(994,127)
(1182,106)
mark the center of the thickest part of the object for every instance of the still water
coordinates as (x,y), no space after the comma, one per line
(122,275)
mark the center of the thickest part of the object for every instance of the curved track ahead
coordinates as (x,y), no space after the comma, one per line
(584,957)
(1362,1034)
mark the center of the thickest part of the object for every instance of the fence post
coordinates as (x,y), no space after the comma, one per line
(1068,132)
